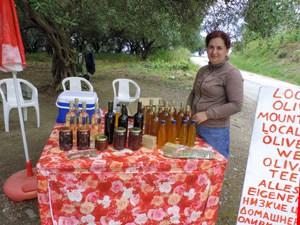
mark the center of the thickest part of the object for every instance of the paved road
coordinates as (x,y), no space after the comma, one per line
(252,81)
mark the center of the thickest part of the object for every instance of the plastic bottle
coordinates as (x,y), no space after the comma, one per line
(172,132)
(179,117)
(162,135)
(149,115)
(109,125)
(183,133)
(191,134)
(155,123)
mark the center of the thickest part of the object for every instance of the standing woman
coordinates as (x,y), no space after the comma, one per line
(217,94)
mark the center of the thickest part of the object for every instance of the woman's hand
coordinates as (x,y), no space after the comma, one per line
(200,117)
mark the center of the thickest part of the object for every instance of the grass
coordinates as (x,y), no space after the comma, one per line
(278,58)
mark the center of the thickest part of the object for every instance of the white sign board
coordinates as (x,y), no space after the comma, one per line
(271,186)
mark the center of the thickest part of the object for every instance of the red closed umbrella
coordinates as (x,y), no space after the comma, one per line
(21,185)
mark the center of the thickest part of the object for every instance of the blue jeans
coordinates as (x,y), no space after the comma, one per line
(217,137)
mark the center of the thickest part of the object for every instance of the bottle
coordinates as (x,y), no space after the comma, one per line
(96,122)
(138,118)
(183,133)
(187,115)
(155,123)
(118,114)
(172,132)
(123,119)
(149,115)
(70,117)
(179,117)
(109,125)
(76,111)
(84,117)
(160,109)
(173,109)
(162,135)
(191,134)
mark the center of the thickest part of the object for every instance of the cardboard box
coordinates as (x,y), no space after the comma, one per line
(132,107)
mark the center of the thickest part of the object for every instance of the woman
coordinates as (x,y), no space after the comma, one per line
(217,94)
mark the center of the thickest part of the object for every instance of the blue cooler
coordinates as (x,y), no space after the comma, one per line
(65,97)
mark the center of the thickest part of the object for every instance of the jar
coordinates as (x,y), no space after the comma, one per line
(65,138)
(101,142)
(135,137)
(83,137)
(119,140)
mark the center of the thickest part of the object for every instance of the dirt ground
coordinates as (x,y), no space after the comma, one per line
(12,154)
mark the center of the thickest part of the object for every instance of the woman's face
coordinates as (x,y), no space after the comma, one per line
(216,50)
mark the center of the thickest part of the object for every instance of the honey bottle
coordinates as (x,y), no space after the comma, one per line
(191,134)
(155,123)
(162,135)
(172,132)
(179,118)
(183,133)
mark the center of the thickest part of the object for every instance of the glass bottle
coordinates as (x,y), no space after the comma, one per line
(155,123)
(149,115)
(160,109)
(76,111)
(173,109)
(138,118)
(70,116)
(118,114)
(84,117)
(172,132)
(183,133)
(123,119)
(191,134)
(179,118)
(96,122)
(162,135)
(109,125)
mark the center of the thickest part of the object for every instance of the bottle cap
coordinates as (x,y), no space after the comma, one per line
(163,122)
(193,121)
(135,130)
(184,121)
(65,129)
(101,137)
(174,121)
(120,129)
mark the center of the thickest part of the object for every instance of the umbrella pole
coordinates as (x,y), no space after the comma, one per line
(28,162)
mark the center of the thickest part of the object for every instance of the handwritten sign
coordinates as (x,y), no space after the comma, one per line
(271,186)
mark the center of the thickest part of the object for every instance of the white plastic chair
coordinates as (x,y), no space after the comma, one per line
(76,83)
(122,92)
(9,100)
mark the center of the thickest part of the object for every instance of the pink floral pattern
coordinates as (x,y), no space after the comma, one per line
(127,187)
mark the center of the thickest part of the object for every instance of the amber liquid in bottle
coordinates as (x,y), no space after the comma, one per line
(183,133)
(191,134)
(84,117)
(179,118)
(155,123)
(109,125)
(96,123)
(118,114)
(149,115)
(162,135)
(70,117)
(77,112)
(172,132)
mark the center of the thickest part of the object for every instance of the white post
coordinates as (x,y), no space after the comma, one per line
(21,116)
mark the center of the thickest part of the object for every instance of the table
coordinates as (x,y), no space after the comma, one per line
(127,187)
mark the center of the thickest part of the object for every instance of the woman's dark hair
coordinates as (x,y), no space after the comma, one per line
(218,34)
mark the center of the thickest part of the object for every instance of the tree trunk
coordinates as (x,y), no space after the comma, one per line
(64,57)
(146,48)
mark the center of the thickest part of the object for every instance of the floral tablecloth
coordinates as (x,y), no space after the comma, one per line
(127,187)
